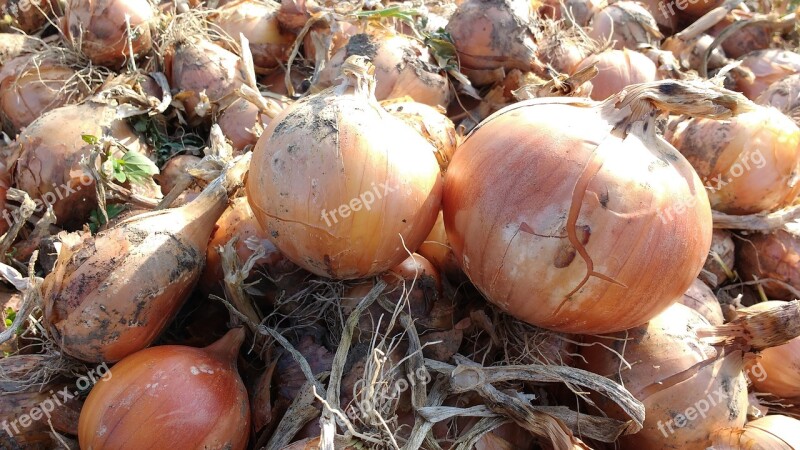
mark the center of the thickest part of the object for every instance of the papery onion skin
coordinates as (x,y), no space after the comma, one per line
(431,123)
(776,370)
(775,256)
(767,66)
(258,21)
(674,371)
(170,396)
(509,226)
(240,122)
(101,29)
(176,167)
(335,195)
(722,244)
(773,432)
(618,69)
(749,163)
(785,96)
(626,23)
(701,298)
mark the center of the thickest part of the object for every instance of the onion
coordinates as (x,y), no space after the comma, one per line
(564,47)
(675,375)
(580,10)
(690,52)
(369,198)
(722,264)
(50,152)
(14,45)
(170,396)
(627,24)
(339,32)
(403,67)
(30,88)
(771,256)
(30,16)
(694,9)
(175,168)
(546,250)
(100,29)
(489,34)
(745,40)
(785,96)
(617,69)
(431,123)
(97,314)
(241,123)
(701,298)
(748,163)
(767,67)
(258,21)
(660,9)
(767,433)
(436,249)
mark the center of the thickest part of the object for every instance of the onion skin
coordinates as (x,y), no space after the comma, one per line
(100,28)
(239,121)
(628,24)
(772,255)
(510,229)
(701,298)
(258,21)
(748,162)
(173,169)
(673,371)
(618,69)
(767,66)
(50,151)
(785,96)
(773,432)
(429,122)
(339,143)
(721,243)
(97,314)
(777,370)
(14,45)
(170,396)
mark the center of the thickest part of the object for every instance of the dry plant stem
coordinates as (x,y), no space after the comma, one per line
(26,209)
(234,281)
(31,295)
(300,412)
(422,426)
(710,19)
(184,181)
(756,222)
(736,26)
(757,331)
(480,429)
(559,85)
(270,109)
(419,394)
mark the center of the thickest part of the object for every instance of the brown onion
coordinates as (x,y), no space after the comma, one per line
(773,256)
(546,250)
(30,16)
(335,195)
(431,123)
(701,298)
(745,40)
(436,249)
(767,67)
(97,314)
(627,24)
(258,21)
(722,264)
(170,396)
(175,168)
(100,29)
(617,69)
(773,432)
(675,375)
(748,163)
(242,124)
(785,96)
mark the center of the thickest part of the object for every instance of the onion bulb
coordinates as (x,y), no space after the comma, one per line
(100,29)
(258,21)
(30,16)
(773,432)
(771,256)
(627,24)
(547,250)
(755,36)
(436,249)
(721,262)
(170,396)
(431,123)
(676,376)
(242,124)
(97,314)
(175,168)
(701,298)
(617,69)
(749,163)
(785,96)
(335,195)
(767,67)
(581,11)
(689,52)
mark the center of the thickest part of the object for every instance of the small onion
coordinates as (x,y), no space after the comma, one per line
(547,250)
(258,21)
(774,256)
(100,28)
(170,396)
(767,67)
(431,123)
(745,40)
(723,246)
(671,371)
(242,124)
(626,23)
(785,96)
(618,69)
(701,298)
(748,163)
(436,249)
(335,195)
(175,168)
(773,432)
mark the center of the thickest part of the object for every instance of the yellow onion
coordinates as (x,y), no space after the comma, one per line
(753,37)
(749,163)
(767,67)
(489,34)
(258,21)
(784,95)
(773,256)
(30,88)
(170,396)
(701,298)
(436,249)
(30,16)
(174,168)
(676,376)
(627,24)
(100,29)
(773,432)
(722,264)
(403,67)
(690,52)
(618,69)
(50,153)
(97,314)
(343,187)
(242,123)
(431,123)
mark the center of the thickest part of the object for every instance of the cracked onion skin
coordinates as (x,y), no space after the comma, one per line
(565,233)
(170,397)
(112,294)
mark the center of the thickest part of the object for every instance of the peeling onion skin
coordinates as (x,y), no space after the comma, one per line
(510,227)
(626,23)
(774,432)
(721,243)
(618,69)
(100,28)
(767,66)
(749,162)
(258,21)
(170,396)
(785,96)
(667,353)
(772,255)
(701,298)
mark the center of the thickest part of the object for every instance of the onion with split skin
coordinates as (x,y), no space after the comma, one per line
(774,432)
(771,256)
(334,194)
(626,23)
(258,22)
(617,69)
(547,250)
(170,396)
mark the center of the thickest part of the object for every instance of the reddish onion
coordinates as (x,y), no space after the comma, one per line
(745,40)
(767,67)
(170,396)
(617,69)
(627,24)
(773,432)
(773,256)
(258,21)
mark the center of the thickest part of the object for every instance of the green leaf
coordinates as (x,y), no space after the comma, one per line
(10,316)
(89,139)
(138,167)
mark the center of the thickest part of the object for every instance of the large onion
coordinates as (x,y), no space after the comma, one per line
(100,29)
(258,21)
(553,211)
(335,195)
(772,256)
(617,69)
(676,376)
(627,24)
(767,67)
(170,396)
(749,163)
(773,432)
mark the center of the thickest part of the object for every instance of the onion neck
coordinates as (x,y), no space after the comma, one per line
(227,347)
(359,74)
(212,202)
